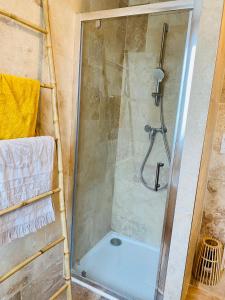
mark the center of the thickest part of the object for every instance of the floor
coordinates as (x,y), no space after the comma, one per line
(80,293)
(199,294)
(198,291)
(124,268)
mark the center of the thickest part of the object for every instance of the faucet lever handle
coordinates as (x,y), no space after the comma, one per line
(159,166)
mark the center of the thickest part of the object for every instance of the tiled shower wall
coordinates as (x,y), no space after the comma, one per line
(95,5)
(137,211)
(99,122)
(214,211)
(116,104)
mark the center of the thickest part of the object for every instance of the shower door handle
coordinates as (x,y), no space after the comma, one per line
(157,185)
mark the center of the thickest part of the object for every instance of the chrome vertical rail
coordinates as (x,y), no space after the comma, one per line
(163,45)
(186,79)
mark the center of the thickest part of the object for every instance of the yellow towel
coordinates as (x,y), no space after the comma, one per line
(19,99)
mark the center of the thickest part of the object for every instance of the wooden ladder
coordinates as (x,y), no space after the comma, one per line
(60,190)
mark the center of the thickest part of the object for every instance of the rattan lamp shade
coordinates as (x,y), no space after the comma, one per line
(208,262)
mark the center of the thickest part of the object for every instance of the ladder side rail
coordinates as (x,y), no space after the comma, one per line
(67,273)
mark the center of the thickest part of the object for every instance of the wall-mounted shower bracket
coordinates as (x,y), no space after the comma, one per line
(157,96)
(159,74)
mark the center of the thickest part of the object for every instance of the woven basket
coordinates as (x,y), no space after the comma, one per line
(208,263)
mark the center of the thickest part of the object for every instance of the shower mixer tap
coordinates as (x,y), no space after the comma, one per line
(154,130)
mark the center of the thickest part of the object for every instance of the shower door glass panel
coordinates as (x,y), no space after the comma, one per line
(130,79)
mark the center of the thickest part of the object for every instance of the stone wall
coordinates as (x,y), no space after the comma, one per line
(214,211)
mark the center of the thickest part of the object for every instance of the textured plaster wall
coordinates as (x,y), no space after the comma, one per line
(22,54)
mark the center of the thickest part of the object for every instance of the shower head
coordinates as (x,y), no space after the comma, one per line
(159,75)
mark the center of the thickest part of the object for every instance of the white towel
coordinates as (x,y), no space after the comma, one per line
(26,167)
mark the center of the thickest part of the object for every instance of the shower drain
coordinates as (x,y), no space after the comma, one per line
(116,242)
(84,274)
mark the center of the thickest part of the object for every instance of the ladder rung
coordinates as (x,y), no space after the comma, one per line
(47,86)
(28,260)
(59,292)
(27,202)
(23,21)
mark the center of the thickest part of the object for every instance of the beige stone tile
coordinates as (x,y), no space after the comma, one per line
(136,33)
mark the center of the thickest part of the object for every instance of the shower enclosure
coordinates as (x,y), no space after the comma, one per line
(129,107)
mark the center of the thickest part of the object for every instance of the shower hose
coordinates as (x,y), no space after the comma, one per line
(152,137)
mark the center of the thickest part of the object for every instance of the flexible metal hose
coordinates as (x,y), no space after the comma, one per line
(164,131)
(152,137)
(152,140)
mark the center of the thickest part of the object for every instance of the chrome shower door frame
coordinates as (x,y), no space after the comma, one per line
(184,96)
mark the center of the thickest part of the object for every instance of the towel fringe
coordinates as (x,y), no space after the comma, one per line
(25,229)
(24,175)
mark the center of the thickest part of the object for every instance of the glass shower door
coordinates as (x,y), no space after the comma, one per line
(129,89)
